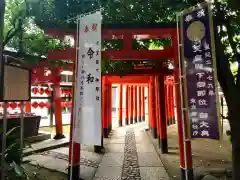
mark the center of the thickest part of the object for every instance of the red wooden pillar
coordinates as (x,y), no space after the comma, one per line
(185,162)
(135,117)
(163,142)
(153,107)
(127,106)
(107,107)
(98,149)
(170,103)
(28,106)
(104,107)
(139,104)
(131,104)
(149,106)
(57,105)
(174,104)
(143,103)
(167,100)
(157,105)
(110,107)
(120,105)
(171,108)
(172,116)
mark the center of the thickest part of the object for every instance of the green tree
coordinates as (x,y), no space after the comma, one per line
(62,13)
(23,38)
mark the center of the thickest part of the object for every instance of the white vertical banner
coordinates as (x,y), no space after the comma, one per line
(88,83)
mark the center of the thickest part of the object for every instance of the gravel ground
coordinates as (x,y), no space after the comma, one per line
(130,170)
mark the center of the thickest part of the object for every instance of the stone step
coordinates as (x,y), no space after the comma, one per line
(45,146)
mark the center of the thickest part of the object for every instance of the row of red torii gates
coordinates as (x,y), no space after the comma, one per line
(161,104)
(135,102)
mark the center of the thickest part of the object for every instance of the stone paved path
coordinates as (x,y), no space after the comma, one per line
(129,155)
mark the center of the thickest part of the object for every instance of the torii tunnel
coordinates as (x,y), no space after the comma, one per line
(163,85)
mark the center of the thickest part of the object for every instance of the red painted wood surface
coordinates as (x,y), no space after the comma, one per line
(131,104)
(157,104)
(70,53)
(135,109)
(108,33)
(163,109)
(152,102)
(149,106)
(120,105)
(127,35)
(139,103)
(127,105)
(143,102)
(104,103)
(129,79)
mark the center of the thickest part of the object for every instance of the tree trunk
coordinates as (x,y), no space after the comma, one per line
(231,93)
(236,159)
(232,97)
(235,130)
(230,86)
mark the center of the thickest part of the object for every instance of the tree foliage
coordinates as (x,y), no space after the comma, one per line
(63,13)
(23,38)
(21,17)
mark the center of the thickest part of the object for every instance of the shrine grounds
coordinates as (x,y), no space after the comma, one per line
(209,156)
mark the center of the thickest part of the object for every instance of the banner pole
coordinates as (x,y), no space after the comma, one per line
(181,98)
(74,103)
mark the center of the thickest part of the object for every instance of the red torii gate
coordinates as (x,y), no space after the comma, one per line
(127,33)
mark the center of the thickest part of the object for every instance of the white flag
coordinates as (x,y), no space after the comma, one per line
(88,83)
